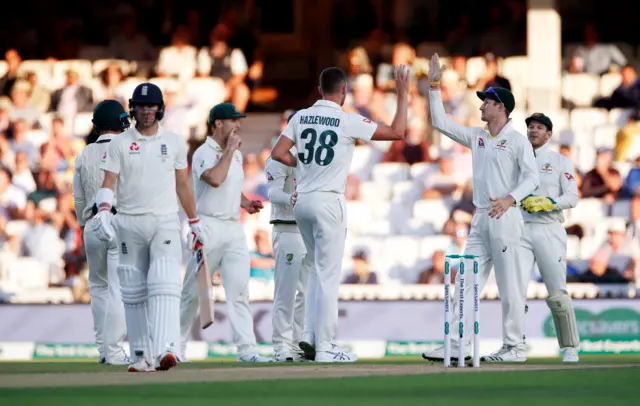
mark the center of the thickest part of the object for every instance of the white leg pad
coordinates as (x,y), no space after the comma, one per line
(133,288)
(564,319)
(164,304)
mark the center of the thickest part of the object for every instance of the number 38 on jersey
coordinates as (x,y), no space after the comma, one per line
(318,148)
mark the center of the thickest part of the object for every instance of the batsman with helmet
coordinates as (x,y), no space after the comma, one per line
(109,119)
(149,165)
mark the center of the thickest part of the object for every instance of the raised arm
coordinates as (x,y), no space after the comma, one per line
(398,126)
(439,120)
(216,175)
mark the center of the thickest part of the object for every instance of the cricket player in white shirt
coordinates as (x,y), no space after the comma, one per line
(544,233)
(149,165)
(504,173)
(324,137)
(217,177)
(109,119)
(291,266)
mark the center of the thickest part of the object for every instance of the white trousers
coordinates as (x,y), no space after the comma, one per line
(322,220)
(150,253)
(290,286)
(545,246)
(227,251)
(498,243)
(104,289)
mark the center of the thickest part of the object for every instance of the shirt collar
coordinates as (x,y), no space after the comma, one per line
(104,137)
(157,136)
(213,144)
(505,129)
(327,103)
(543,150)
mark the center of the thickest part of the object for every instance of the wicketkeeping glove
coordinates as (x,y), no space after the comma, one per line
(534,204)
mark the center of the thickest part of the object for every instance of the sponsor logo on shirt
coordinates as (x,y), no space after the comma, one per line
(568,176)
(269,177)
(480,143)
(546,168)
(134,148)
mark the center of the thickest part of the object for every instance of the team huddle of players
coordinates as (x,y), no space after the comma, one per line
(125,189)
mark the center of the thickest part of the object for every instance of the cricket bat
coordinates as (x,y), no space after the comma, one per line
(203,282)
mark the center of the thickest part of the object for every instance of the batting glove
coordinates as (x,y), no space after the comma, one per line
(197,234)
(534,204)
(102,227)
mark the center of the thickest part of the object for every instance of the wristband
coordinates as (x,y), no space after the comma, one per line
(104,195)
(434,85)
(194,221)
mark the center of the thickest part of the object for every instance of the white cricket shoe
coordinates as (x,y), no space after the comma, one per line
(570,354)
(253,358)
(141,365)
(308,350)
(167,359)
(508,353)
(437,355)
(335,355)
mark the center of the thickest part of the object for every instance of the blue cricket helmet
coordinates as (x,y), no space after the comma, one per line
(147,93)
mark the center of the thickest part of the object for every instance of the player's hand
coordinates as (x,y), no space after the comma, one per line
(498,207)
(294,199)
(534,204)
(253,206)
(234,141)
(102,227)
(196,236)
(402,74)
(435,69)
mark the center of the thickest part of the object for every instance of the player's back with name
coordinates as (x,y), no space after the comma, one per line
(325,138)
(147,165)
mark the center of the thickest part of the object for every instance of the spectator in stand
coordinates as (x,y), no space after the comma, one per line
(446,182)
(73,98)
(627,95)
(618,259)
(7,157)
(627,138)
(20,143)
(453,97)
(435,273)
(22,108)
(22,175)
(39,97)
(604,180)
(360,99)
(413,148)
(226,63)
(255,179)
(403,53)
(110,85)
(631,187)
(263,263)
(357,64)
(56,153)
(594,57)
(179,59)
(13,60)
(491,77)
(12,199)
(362,273)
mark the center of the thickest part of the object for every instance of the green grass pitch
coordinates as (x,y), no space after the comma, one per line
(597,380)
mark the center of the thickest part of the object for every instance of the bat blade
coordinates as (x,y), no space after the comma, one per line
(203,282)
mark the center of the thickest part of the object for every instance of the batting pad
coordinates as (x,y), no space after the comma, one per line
(133,289)
(564,318)
(164,304)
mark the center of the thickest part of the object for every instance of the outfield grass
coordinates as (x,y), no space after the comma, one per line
(575,387)
(599,387)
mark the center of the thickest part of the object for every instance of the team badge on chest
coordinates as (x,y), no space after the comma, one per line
(546,168)
(164,153)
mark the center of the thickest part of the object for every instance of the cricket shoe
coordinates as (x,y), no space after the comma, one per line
(570,354)
(335,355)
(308,350)
(140,364)
(437,355)
(102,360)
(167,359)
(508,353)
(253,358)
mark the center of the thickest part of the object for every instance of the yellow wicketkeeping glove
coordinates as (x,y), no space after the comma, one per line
(534,204)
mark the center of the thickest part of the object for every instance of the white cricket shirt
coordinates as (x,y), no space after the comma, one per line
(557,181)
(502,165)
(88,177)
(281,180)
(325,137)
(221,202)
(146,170)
